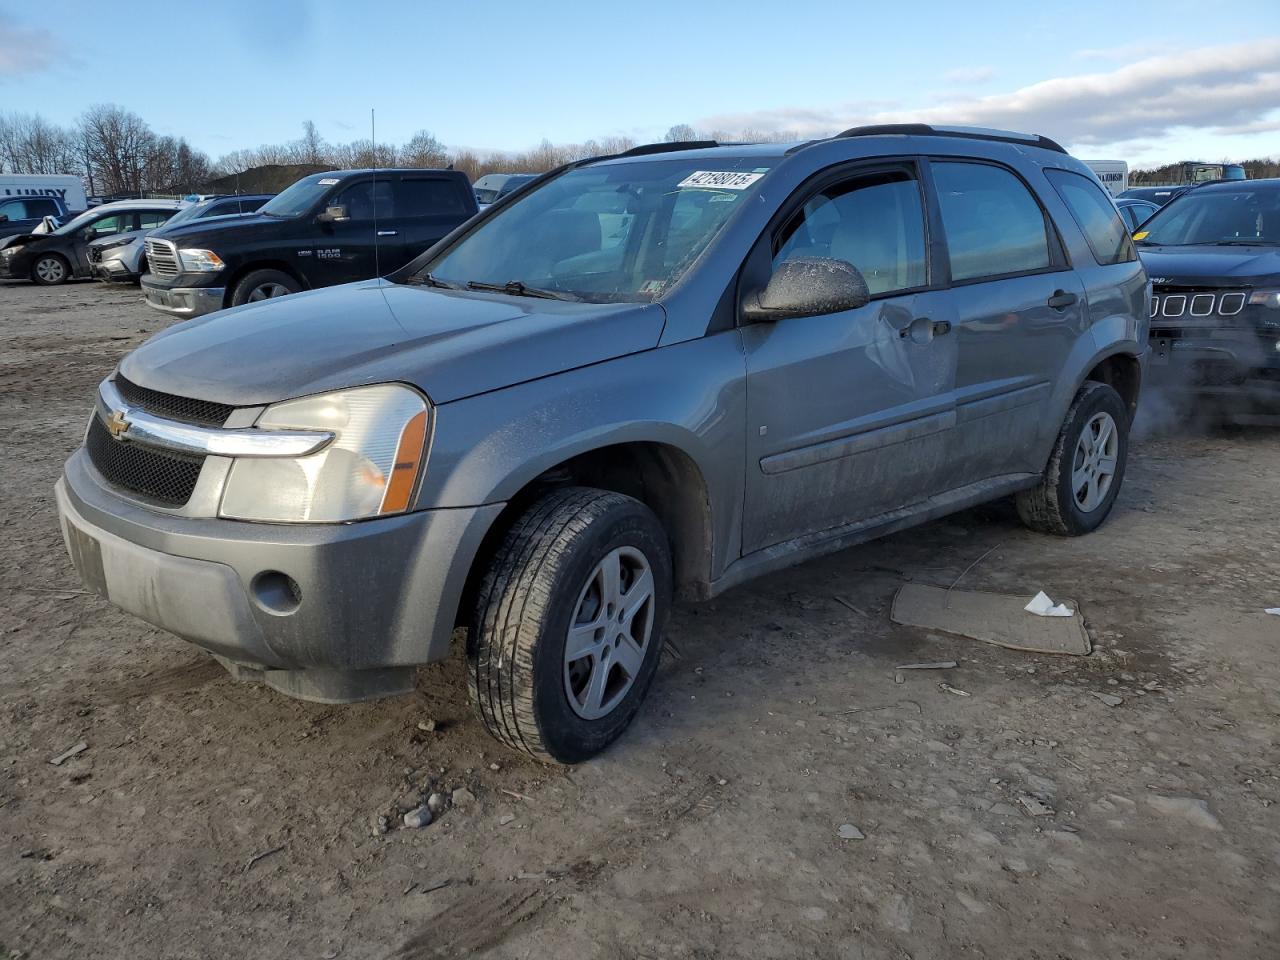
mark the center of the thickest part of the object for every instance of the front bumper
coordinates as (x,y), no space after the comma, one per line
(114,270)
(182,301)
(373,599)
(1222,362)
(15,266)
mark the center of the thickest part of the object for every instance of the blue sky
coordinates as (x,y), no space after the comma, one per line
(1108,79)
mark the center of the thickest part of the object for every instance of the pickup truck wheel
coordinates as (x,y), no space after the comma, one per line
(263,285)
(566,632)
(50,270)
(1085,470)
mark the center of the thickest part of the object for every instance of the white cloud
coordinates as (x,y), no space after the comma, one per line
(1227,88)
(970,75)
(24,49)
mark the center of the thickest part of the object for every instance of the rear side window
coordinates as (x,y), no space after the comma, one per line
(42,207)
(150,219)
(1097,216)
(427,197)
(874,221)
(994,226)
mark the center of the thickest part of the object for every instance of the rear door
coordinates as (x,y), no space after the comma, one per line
(427,208)
(1020,308)
(848,413)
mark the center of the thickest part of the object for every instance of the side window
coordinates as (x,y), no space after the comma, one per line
(366,200)
(1097,216)
(874,221)
(994,225)
(42,207)
(428,197)
(116,223)
(150,219)
(16,209)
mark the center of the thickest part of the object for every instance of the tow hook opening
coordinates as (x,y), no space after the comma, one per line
(275,592)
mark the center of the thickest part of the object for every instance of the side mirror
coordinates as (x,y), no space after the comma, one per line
(4,218)
(807,287)
(336,214)
(90,233)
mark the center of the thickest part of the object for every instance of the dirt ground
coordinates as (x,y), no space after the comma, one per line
(712,829)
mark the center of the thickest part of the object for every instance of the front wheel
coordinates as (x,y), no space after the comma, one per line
(1085,470)
(263,285)
(566,632)
(50,270)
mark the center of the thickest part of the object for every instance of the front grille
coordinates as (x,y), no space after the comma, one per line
(172,406)
(162,258)
(1179,302)
(95,254)
(164,477)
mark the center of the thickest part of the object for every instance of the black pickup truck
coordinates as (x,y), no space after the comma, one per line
(326,229)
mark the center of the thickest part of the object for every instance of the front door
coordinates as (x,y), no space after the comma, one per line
(848,413)
(350,249)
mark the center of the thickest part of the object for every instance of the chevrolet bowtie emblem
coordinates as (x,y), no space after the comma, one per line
(117,424)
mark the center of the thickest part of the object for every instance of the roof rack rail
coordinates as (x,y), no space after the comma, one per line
(968,133)
(648,148)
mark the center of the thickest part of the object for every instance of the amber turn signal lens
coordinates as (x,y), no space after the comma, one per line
(404,472)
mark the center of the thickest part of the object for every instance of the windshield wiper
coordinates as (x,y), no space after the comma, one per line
(1243,242)
(428,280)
(518,289)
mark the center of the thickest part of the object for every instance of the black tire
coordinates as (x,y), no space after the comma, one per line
(517,676)
(1051,507)
(262,279)
(50,270)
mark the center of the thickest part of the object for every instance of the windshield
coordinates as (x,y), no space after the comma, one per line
(188,213)
(71,226)
(1206,217)
(608,232)
(299,198)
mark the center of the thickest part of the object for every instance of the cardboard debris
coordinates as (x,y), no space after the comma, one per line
(989,617)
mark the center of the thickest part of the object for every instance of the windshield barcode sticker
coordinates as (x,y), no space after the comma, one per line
(720,181)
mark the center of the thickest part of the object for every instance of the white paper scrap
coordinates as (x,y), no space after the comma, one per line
(1042,606)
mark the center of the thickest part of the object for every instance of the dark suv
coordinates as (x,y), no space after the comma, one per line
(1214,259)
(325,229)
(654,374)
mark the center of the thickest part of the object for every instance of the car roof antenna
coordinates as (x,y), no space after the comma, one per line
(373,139)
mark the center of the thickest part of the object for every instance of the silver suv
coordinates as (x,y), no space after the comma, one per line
(642,376)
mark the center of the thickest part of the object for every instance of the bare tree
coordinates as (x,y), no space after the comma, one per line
(312,147)
(424,150)
(680,133)
(31,144)
(117,146)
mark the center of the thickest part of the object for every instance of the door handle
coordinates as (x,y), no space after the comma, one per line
(1061,299)
(386,233)
(922,329)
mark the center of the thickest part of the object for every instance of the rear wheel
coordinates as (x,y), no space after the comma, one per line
(50,270)
(1085,470)
(263,285)
(567,629)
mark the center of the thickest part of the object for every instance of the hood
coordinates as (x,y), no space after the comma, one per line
(219,227)
(22,239)
(1212,266)
(449,344)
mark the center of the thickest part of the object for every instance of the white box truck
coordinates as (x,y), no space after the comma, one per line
(66,187)
(1114,174)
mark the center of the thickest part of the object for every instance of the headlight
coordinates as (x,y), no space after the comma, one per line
(1266,298)
(199,261)
(370,469)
